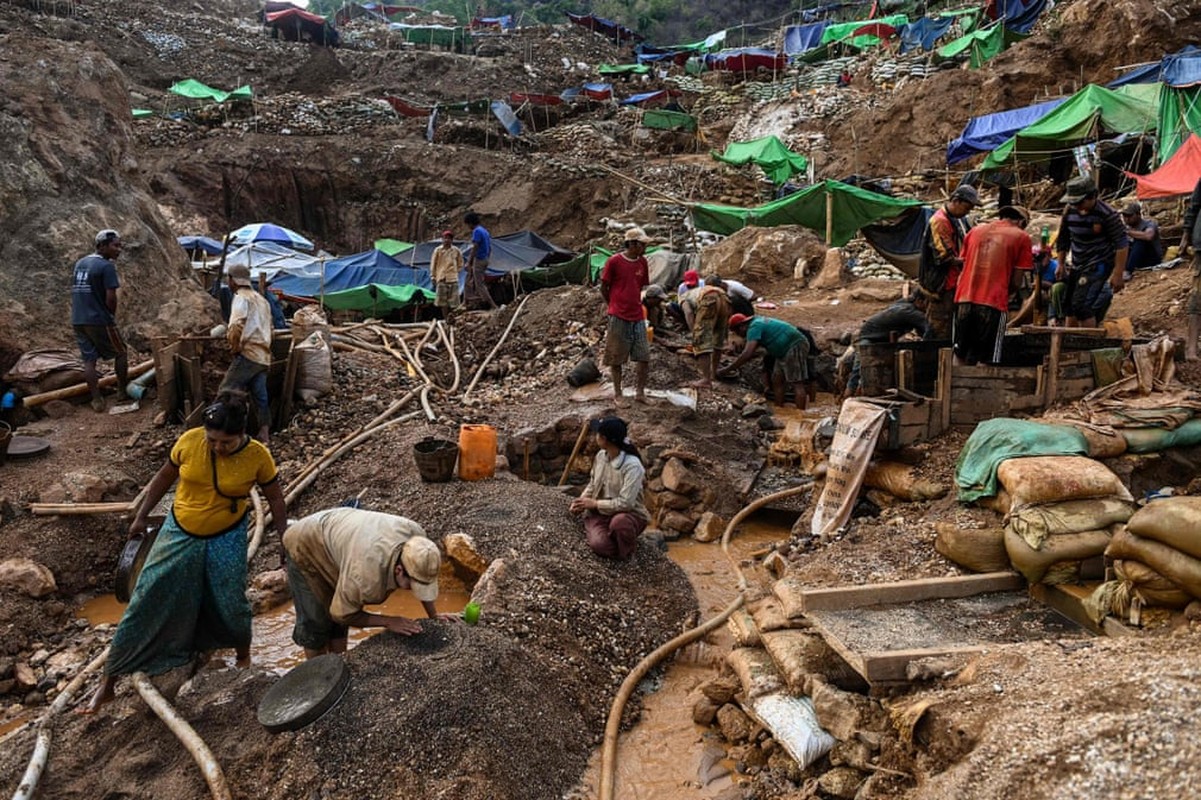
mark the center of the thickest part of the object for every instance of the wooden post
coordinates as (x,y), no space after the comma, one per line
(945,364)
(905,369)
(1053,368)
(829,217)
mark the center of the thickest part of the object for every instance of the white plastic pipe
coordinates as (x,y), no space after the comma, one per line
(204,757)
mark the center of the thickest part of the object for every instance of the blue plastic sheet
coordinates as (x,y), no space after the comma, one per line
(638,99)
(924,33)
(799,38)
(504,112)
(1020,15)
(987,133)
(1178,70)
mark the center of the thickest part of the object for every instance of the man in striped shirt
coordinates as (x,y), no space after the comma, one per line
(1095,234)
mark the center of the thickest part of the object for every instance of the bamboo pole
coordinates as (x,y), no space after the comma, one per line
(479,372)
(79,509)
(82,388)
(575,451)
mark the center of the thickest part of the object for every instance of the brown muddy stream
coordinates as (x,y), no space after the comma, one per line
(664,757)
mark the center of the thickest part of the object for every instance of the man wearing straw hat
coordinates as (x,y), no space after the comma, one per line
(622,279)
(249,337)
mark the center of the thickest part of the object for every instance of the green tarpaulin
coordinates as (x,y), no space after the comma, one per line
(995,440)
(1083,117)
(142,113)
(376,300)
(668,120)
(852,209)
(195,90)
(457,39)
(391,247)
(1179,115)
(772,155)
(984,45)
(575,271)
(840,32)
(623,69)
(598,257)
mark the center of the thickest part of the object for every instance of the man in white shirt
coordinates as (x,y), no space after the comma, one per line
(742,297)
(249,337)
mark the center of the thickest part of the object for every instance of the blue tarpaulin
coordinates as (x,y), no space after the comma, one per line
(503,112)
(1178,70)
(638,99)
(987,133)
(799,38)
(512,252)
(344,273)
(924,33)
(209,246)
(900,240)
(598,91)
(1020,15)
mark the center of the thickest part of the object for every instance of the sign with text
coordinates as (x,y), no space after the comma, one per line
(855,437)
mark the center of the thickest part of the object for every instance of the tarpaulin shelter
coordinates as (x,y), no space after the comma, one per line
(623,69)
(661,119)
(512,252)
(1083,117)
(900,240)
(988,132)
(746,59)
(195,90)
(270,259)
(201,244)
(878,29)
(769,153)
(391,247)
(846,31)
(1179,100)
(142,113)
(598,91)
(1182,68)
(455,39)
(466,108)
(646,98)
(504,23)
(297,25)
(376,299)
(923,33)
(981,45)
(605,27)
(348,273)
(508,120)
(1178,175)
(831,208)
(1018,16)
(407,109)
(799,38)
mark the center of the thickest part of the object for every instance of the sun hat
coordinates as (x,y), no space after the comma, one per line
(636,235)
(422,561)
(1078,189)
(738,319)
(656,291)
(239,275)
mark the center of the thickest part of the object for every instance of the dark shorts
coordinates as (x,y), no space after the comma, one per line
(99,341)
(977,333)
(794,366)
(1088,295)
(626,341)
(251,377)
(314,627)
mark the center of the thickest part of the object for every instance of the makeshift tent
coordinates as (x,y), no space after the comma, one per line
(746,59)
(605,27)
(846,31)
(513,252)
(142,113)
(988,132)
(269,232)
(508,120)
(195,90)
(598,91)
(1182,68)
(455,39)
(851,208)
(900,240)
(799,38)
(407,109)
(1178,175)
(202,244)
(660,119)
(376,299)
(270,259)
(348,273)
(769,153)
(623,69)
(1083,117)
(465,108)
(392,246)
(645,98)
(1180,100)
(504,23)
(982,45)
(922,34)
(1018,16)
(298,25)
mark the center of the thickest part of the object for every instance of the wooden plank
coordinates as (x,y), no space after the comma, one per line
(1067,600)
(1053,368)
(1070,331)
(1076,388)
(842,597)
(986,372)
(854,659)
(164,378)
(905,370)
(946,364)
(890,666)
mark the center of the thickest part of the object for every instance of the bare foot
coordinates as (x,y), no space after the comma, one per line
(620,401)
(643,399)
(104,693)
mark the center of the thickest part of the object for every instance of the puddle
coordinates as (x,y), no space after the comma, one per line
(664,756)
(19,721)
(271,644)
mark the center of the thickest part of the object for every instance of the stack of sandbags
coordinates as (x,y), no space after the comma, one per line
(1064,510)
(1160,551)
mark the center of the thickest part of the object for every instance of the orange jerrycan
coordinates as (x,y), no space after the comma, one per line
(477,452)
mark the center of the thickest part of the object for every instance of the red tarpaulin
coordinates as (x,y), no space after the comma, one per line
(294,13)
(519,98)
(1178,175)
(407,109)
(875,29)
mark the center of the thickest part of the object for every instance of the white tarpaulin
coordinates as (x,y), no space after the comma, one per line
(855,438)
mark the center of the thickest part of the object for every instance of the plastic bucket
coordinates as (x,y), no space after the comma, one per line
(585,372)
(435,459)
(477,452)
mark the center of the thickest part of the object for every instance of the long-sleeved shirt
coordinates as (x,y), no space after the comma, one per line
(445,264)
(900,318)
(946,237)
(249,330)
(1093,238)
(617,484)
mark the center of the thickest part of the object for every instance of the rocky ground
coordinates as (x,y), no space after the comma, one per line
(514,707)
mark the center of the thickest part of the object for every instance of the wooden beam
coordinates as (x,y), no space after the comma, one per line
(905,370)
(891,666)
(1053,367)
(946,362)
(1068,331)
(82,388)
(1068,601)
(844,597)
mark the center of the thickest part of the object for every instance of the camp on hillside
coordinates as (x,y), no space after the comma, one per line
(986,133)
(1176,176)
(774,157)
(294,24)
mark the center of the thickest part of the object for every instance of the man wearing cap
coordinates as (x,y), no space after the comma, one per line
(249,337)
(691,280)
(653,301)
(707,314)
(611,503)
(622,279)
(946,231)
(445,266)
(94,314)
(785,346)
(343,559)
(1093,232)
(993,257)
(476,293)
(1146,248)
(741,296)
(1189,241)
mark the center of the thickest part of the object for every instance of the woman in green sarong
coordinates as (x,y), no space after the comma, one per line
(191,595)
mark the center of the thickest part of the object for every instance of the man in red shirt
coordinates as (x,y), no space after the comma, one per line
(993,257)
(622,279)
(947,229)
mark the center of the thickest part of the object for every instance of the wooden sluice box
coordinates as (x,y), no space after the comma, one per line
(881,629)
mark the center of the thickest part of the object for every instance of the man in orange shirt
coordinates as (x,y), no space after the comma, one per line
(993,257)
(946,232)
